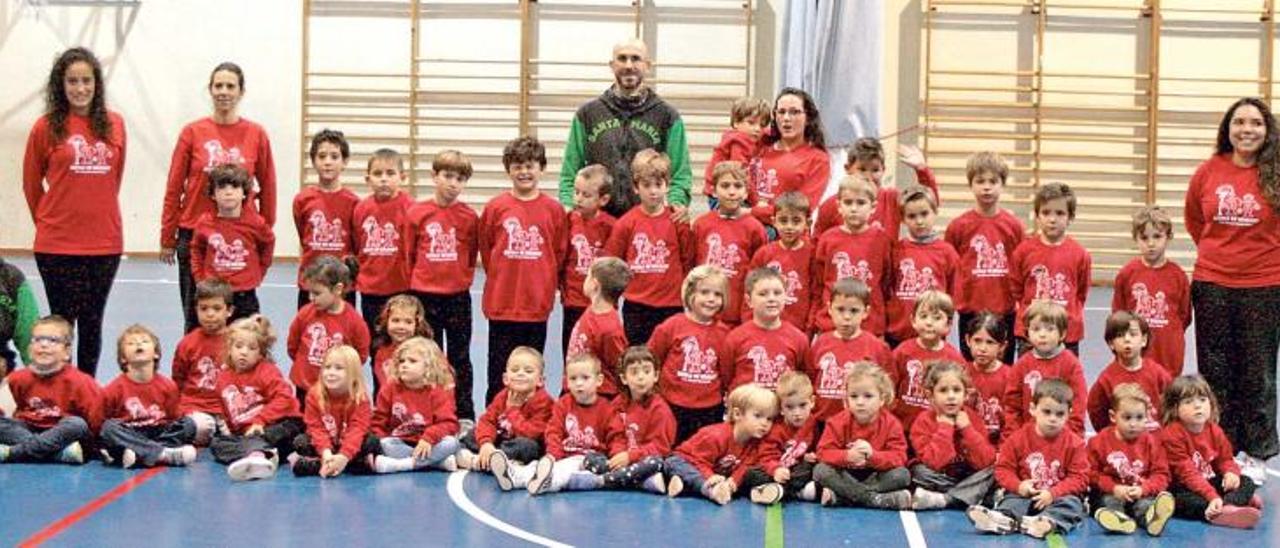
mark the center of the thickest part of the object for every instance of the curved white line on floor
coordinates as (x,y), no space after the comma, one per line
(1273,472)
(459,497)
(915,536)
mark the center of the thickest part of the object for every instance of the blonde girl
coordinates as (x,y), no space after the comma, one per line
(415,417)
(686,347)
(862,455)
(338,413)
(402,317)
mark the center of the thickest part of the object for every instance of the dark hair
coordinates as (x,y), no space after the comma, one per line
(1184,387)
(1268,156)
(792,201)
(935,369)
(334,136)
(852,288)
(328,271)
(612,275)
(1118,324)
(1056,389)
(229,175)
(1054,191)
(420,329)
(635,354)
(990,322)
(523,149)
(214,288)
(863,150)
(56,105)
(812,121)
(229,67)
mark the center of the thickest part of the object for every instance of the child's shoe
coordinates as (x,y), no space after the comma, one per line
(465,426)
(71,454)
(4,452)
(988,520)
(542,475)
(828,497)
(1253,467)
(925,499)
(1158,514)
(1256,501)
(128,458)
(809,492)
(256,466)
(1115,522)
(176,456)
(675,486)
(501,468)
(306,466)
(655,484)
(206,425)
(1238,517)
(769,493)
(1037,526)
(449,464)
(465,459)
(893,500)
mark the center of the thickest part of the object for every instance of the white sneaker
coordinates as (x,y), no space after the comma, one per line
(809,492)
(71,454)
(464,459)
(450,464)
(252,467)
(990,521)
(4,452)
(542,475)
(925,499)
(767,494)
(176,456)
(501,468)
(128,459)
(1253,467)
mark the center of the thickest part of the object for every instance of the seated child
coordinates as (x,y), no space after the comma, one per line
(1127,335)
(862,456)
(58,406)
(143,423)
(415,419)
(1129,469)
(511,429)
(787,454)
(687,346)
(1046,324)
(713,462)
(954,457)
(337,417)
(988,337)
(403,317)
(199,356)
(834,352)
(576,436)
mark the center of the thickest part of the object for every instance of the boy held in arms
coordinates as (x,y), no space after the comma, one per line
(761,350)
(589,229)
(932,321)
(714,461)
(855,249)
(231,242)
(922,261)
(143,423)
(599,331)
(1045,324)
(1127,335)
(833,353)
(791,255)
(199,355)
(58,406)
(1129,469)
(1156,289)
(728,236)
(1052,266)
(747,118)
(378,221)
(322,213)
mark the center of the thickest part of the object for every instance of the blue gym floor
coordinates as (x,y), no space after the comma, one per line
(199,505)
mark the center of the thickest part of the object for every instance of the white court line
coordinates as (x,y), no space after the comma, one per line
(1273,472)
(459,497)
(911,525)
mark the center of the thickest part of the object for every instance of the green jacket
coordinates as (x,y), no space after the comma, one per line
(18,312)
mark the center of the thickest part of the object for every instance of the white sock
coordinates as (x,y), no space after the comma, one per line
(390,465)
(521,473)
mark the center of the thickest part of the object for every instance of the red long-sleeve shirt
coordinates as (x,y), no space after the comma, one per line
(498,423)
(689,354)
(774,171)
(910,363)
(735,146)
(601,335)
(259,396)
(1027,372)
(425,413)
(196,362)
(831,357)
(793,265)
(984,245)
(236,249)
(341,426)
(1141,462)
(1058,273)
(659,252)
(586,240)
(943,446)
(1196,458)
(385,355)
(918,267)
(1060,465)
(641,428)
(314,331)
(867,256)
(43,401)
(139,404)
(988,397)
(728,244)
(887,214)
(883,433)
(379,239)
(713,450)
(577,429)
(1163,297)
(753,354)
(522,245)
(1150,376)
(786,445)
(323,220)
(1234,228)
(442,244)
(79,212)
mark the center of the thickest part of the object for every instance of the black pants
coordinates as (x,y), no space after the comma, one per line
(277,437)
(1237,337)
(801,474)
(359,464)
(689,420)
(505,337)
(516,449)
(244,304)
(304,297)
(571,317)
(77,287)
(450,318)
(1010,349)
(639,320)
(1189,505)
(186,281)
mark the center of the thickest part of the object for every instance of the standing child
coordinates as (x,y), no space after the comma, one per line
(401,318)
(791,255)
(862,456)
(1207,483)
(441,241)
(232,243)
(747,118)
(714,461)
(199,356)
(1048,358)
(322,213)
(599,331)
(788,453)
(414,417)
(1129,469)
(378,221)
(577,434)
(1052,266)
(523,236)
(855,249)
(932,322)
(988,336)
(510,431)
(833,353)
(337,417)
(761,350)
(1157,289)
(589,228)
(922,261)
(688,347)
(1127,334)
(327,322)
(728,236)
(143,423)
(865,158)
(954,457)
(58,408)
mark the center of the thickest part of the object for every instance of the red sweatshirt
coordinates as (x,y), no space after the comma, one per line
(793,265)
(988,397)
(884,433)
(236,249)
(658,251)
(385,354)
(196,361)
(1195,458)
(202,146)
(586,240)
(786,445)
(918,267)
(1162,296)
(378,228)
(1150,376)
(1027,372)
(1235,231)
(1059,273)
(774,171)
(689,354)
(755,354)
(498,424)
(426,413)
(602,336)
(867,256)
(713,450)
(441,244)
(522,245)
(324,224)
(153,403)
(341,427)
(259,396)
(314,331)
(735,146)
(729,244)
(577,429)
(79,211)
(642,429)
(1141,462)
(910,363)
(887,215)
(43,401)
(1060,465)
(830,359)
(943,446)
(984,245)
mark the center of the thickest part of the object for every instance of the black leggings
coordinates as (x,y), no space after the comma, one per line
(77,287)
(186,280)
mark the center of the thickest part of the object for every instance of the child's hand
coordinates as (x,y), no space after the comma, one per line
(1230,482)
(912,156)
(422,450)
(1136,493)
(782,474)
(333,466)
(680,215)
(811,458)
(856,458)
(486,452)
(1214,508)
(620,460)
(944,418)
(961,420)
(1042,499)
(255,430)
(1026,488)
(862,446)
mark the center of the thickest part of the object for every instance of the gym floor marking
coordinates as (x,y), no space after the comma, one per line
(458,495)
(53,529)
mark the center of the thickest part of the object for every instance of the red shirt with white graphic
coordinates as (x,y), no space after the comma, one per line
(141,404)
(942,447)
(1234,228)
(689,354)
(499,423)
(236,249)
(831,357)
(713,450)
(641,428)
(1059,273)
(79,211)
(883,433)
(867,256)
(887,214)
(259,396)
(577,429)
(601,335)
(341,426)
(384,356)
(918,267)
(441,244)
(1060,465)
(1027,372)
(786,445)
(196,362)
(378,227)
(1196,458)
(735,146)
(522,245)
(793,265)
(984,245)
(314,331)
(203,145)
(910,362)
(774,171)
(987,397)
(41,402)
(753,354)
(1150,376)
(586,240)
(1162,296)
(1141,462)
(323,220)
(412,414)
(659,252)
(728,244)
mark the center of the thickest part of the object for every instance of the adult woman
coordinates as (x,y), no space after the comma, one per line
(1231,213)
(71,175)
(222,138)
(792,154)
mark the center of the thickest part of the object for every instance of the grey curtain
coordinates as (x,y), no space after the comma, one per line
(833,49)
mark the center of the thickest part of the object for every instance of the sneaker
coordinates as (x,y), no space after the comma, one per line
(177,456)
(655,484)
(465,426)
(767,494)
(128,459)
(1238,517)
(4,452)
(306,466)
(893,500)
(542,475)
(206,425)
(925,499)
(1253,467)
(1158,514)
(71,454)
(465,459)
(253,467)
(828,497)
(501,469)
(449,464)
(675,486)
(1115,522)
(1037,526)
(987,520)
(809,492)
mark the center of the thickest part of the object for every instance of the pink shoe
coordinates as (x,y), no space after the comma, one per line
(1256,501)
(1238,517)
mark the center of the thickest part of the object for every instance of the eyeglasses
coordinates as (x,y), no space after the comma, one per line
(793,113)
(47,339)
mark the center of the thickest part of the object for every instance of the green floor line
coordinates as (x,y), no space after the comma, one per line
(773,527)
(1056,541)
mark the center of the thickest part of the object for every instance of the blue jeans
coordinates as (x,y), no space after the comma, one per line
(30,444)
(396,448)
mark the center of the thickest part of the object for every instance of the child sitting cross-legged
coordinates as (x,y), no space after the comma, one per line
(954,456)
(577,432)
(144,425)
(338,417)
(414,416)
(788,453)
(511,429)
(862,455)
(713,462)
(1129,470)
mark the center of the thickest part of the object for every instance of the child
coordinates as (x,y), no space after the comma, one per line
(1129,469)
(763,349)
(589,228)
(337,417)
(577,433)
(1156,288)
(855,249)
(747,118)
(401,318)
(932,322)
(984,237)
(791,255)
(322,213)
(835,351)
(788,453)
(58,407)
(922,261)
(1052,266)
(523,237)
(643,429)
(378,220)
(954,457)
(1045,325)
(658,249)
(1043,469)
(865,158)
(143,423)
(728,236)
(1207,483)
(1127,334)
(599,331)
(200,354)
(18,311)
(688,347)
(441,241)
(232,243)
(862,455)
(327,322)
(713,462)
(414,417)
(262,415)
(511,429)
(988,336)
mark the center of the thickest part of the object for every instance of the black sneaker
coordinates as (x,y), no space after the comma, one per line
(306,466)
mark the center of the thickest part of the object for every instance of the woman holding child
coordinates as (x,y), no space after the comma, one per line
(792,154)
